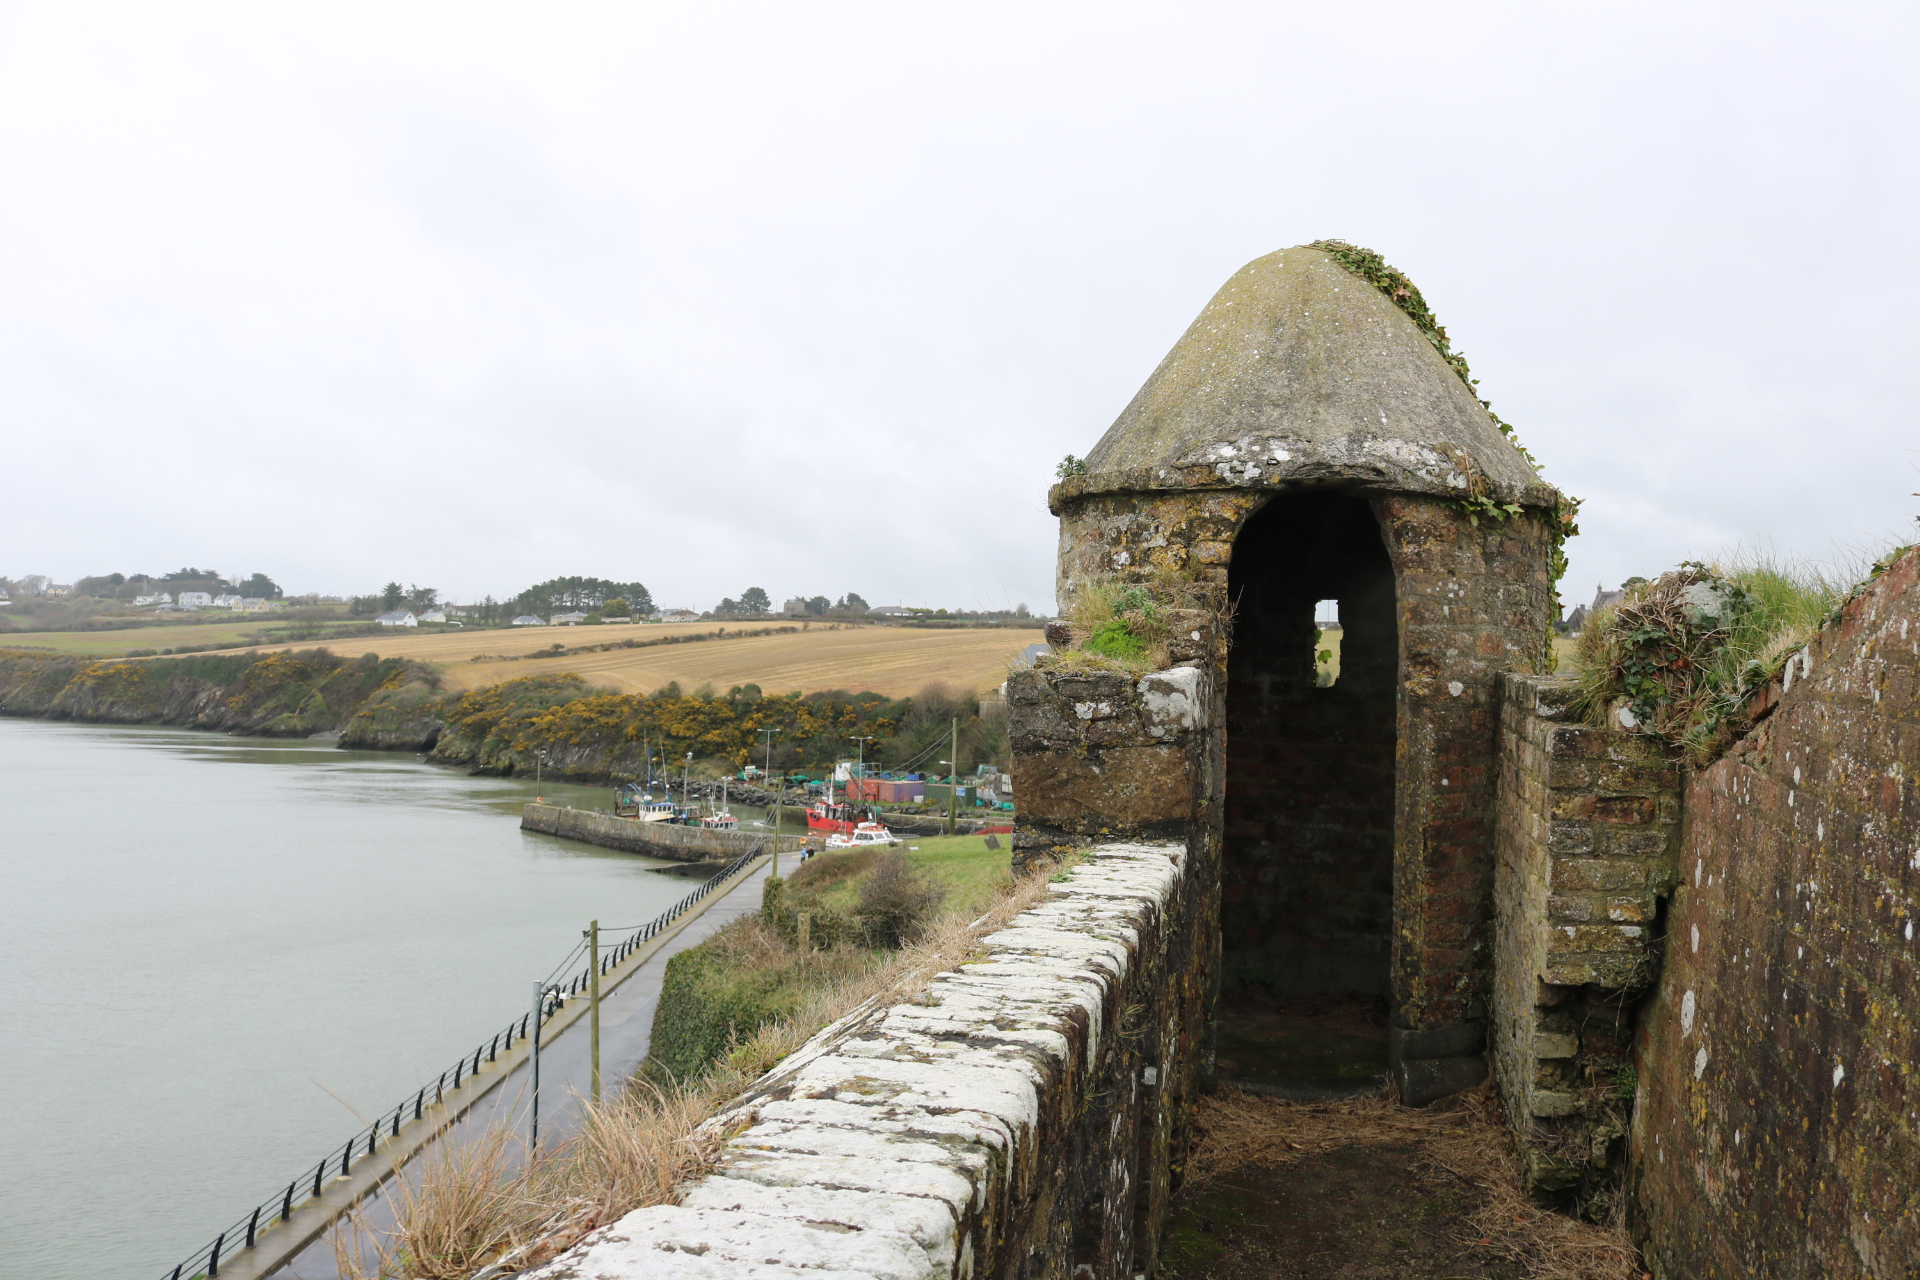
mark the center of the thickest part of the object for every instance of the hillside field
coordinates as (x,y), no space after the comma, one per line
(894,661)
(107,642)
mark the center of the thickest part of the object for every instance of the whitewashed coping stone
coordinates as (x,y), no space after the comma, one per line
(866,1153)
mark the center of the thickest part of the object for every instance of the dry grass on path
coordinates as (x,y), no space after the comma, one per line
(1462,1143)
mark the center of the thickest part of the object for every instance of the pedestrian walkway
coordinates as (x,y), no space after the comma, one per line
(626,1026)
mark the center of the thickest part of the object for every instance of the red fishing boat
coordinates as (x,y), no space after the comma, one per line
(823,815)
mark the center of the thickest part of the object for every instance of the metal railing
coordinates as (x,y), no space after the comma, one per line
(279,1207)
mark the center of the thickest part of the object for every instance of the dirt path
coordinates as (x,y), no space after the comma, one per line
(1357,1213)
(1363,1189)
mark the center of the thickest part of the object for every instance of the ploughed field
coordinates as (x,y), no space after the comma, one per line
(894,661)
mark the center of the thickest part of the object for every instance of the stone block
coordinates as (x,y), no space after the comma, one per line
(1633,842)
(1596,938)
(1570,838)
(1597,874)
(1113,790)
(1426,1080)
(1547,1044)
(1573,908)
(1449,1040)
(1548,1176)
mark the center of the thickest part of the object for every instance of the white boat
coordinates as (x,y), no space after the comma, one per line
(864,835)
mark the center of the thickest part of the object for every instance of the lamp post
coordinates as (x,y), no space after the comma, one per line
(540,993)
(593,1004)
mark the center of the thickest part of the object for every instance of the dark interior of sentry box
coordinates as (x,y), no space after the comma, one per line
(1307,872)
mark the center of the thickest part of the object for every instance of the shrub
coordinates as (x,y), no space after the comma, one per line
(1683,656)
(898,901)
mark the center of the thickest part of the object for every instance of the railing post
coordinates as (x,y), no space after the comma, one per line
(213,1259)
(319,1172)
(346,1158)
(397,1112)
(456,1072)
(286,1203)
(253,1225)
(419,1102)
(373,1136)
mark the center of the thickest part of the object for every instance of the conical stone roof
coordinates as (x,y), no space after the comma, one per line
(1300,373)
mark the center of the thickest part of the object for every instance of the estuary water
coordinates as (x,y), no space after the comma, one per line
(218,953)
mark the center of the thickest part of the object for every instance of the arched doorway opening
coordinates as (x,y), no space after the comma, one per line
(1308,855)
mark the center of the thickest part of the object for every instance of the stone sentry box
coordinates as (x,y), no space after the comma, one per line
(1303,442)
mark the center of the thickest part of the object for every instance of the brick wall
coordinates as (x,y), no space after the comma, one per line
(1778,1127)
(1587,836)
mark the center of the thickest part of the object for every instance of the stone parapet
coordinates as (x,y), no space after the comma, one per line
(1020,1118)
(1103,754)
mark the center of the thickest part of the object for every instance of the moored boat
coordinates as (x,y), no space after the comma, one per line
(863,835)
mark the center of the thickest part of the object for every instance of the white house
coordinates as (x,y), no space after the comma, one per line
(144,601)
(398,618)
(528,620)
(226,602)
(890,611)
(567,619)
(433,615)
(195,599)
(674,615)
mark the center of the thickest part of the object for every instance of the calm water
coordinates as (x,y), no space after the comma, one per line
(205,939)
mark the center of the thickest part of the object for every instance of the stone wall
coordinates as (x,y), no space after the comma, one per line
(1472,600)
(1588,832)
(1023,1118)
(655,839)
(1105,753)
(1778,1127)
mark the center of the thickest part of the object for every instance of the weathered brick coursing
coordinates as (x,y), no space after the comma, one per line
(1588,834)
(1778,1127)
(1020,1119)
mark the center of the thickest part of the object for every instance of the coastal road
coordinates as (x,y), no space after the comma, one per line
(626,1026)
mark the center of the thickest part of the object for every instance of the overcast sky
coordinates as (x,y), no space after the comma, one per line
(814,297)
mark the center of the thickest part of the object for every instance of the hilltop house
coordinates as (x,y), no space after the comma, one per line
(891,611)
(434,615)
(226,602)
(162,598)
(398,618)
(195,599)
(673,615)
(567,619)
(528,620)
